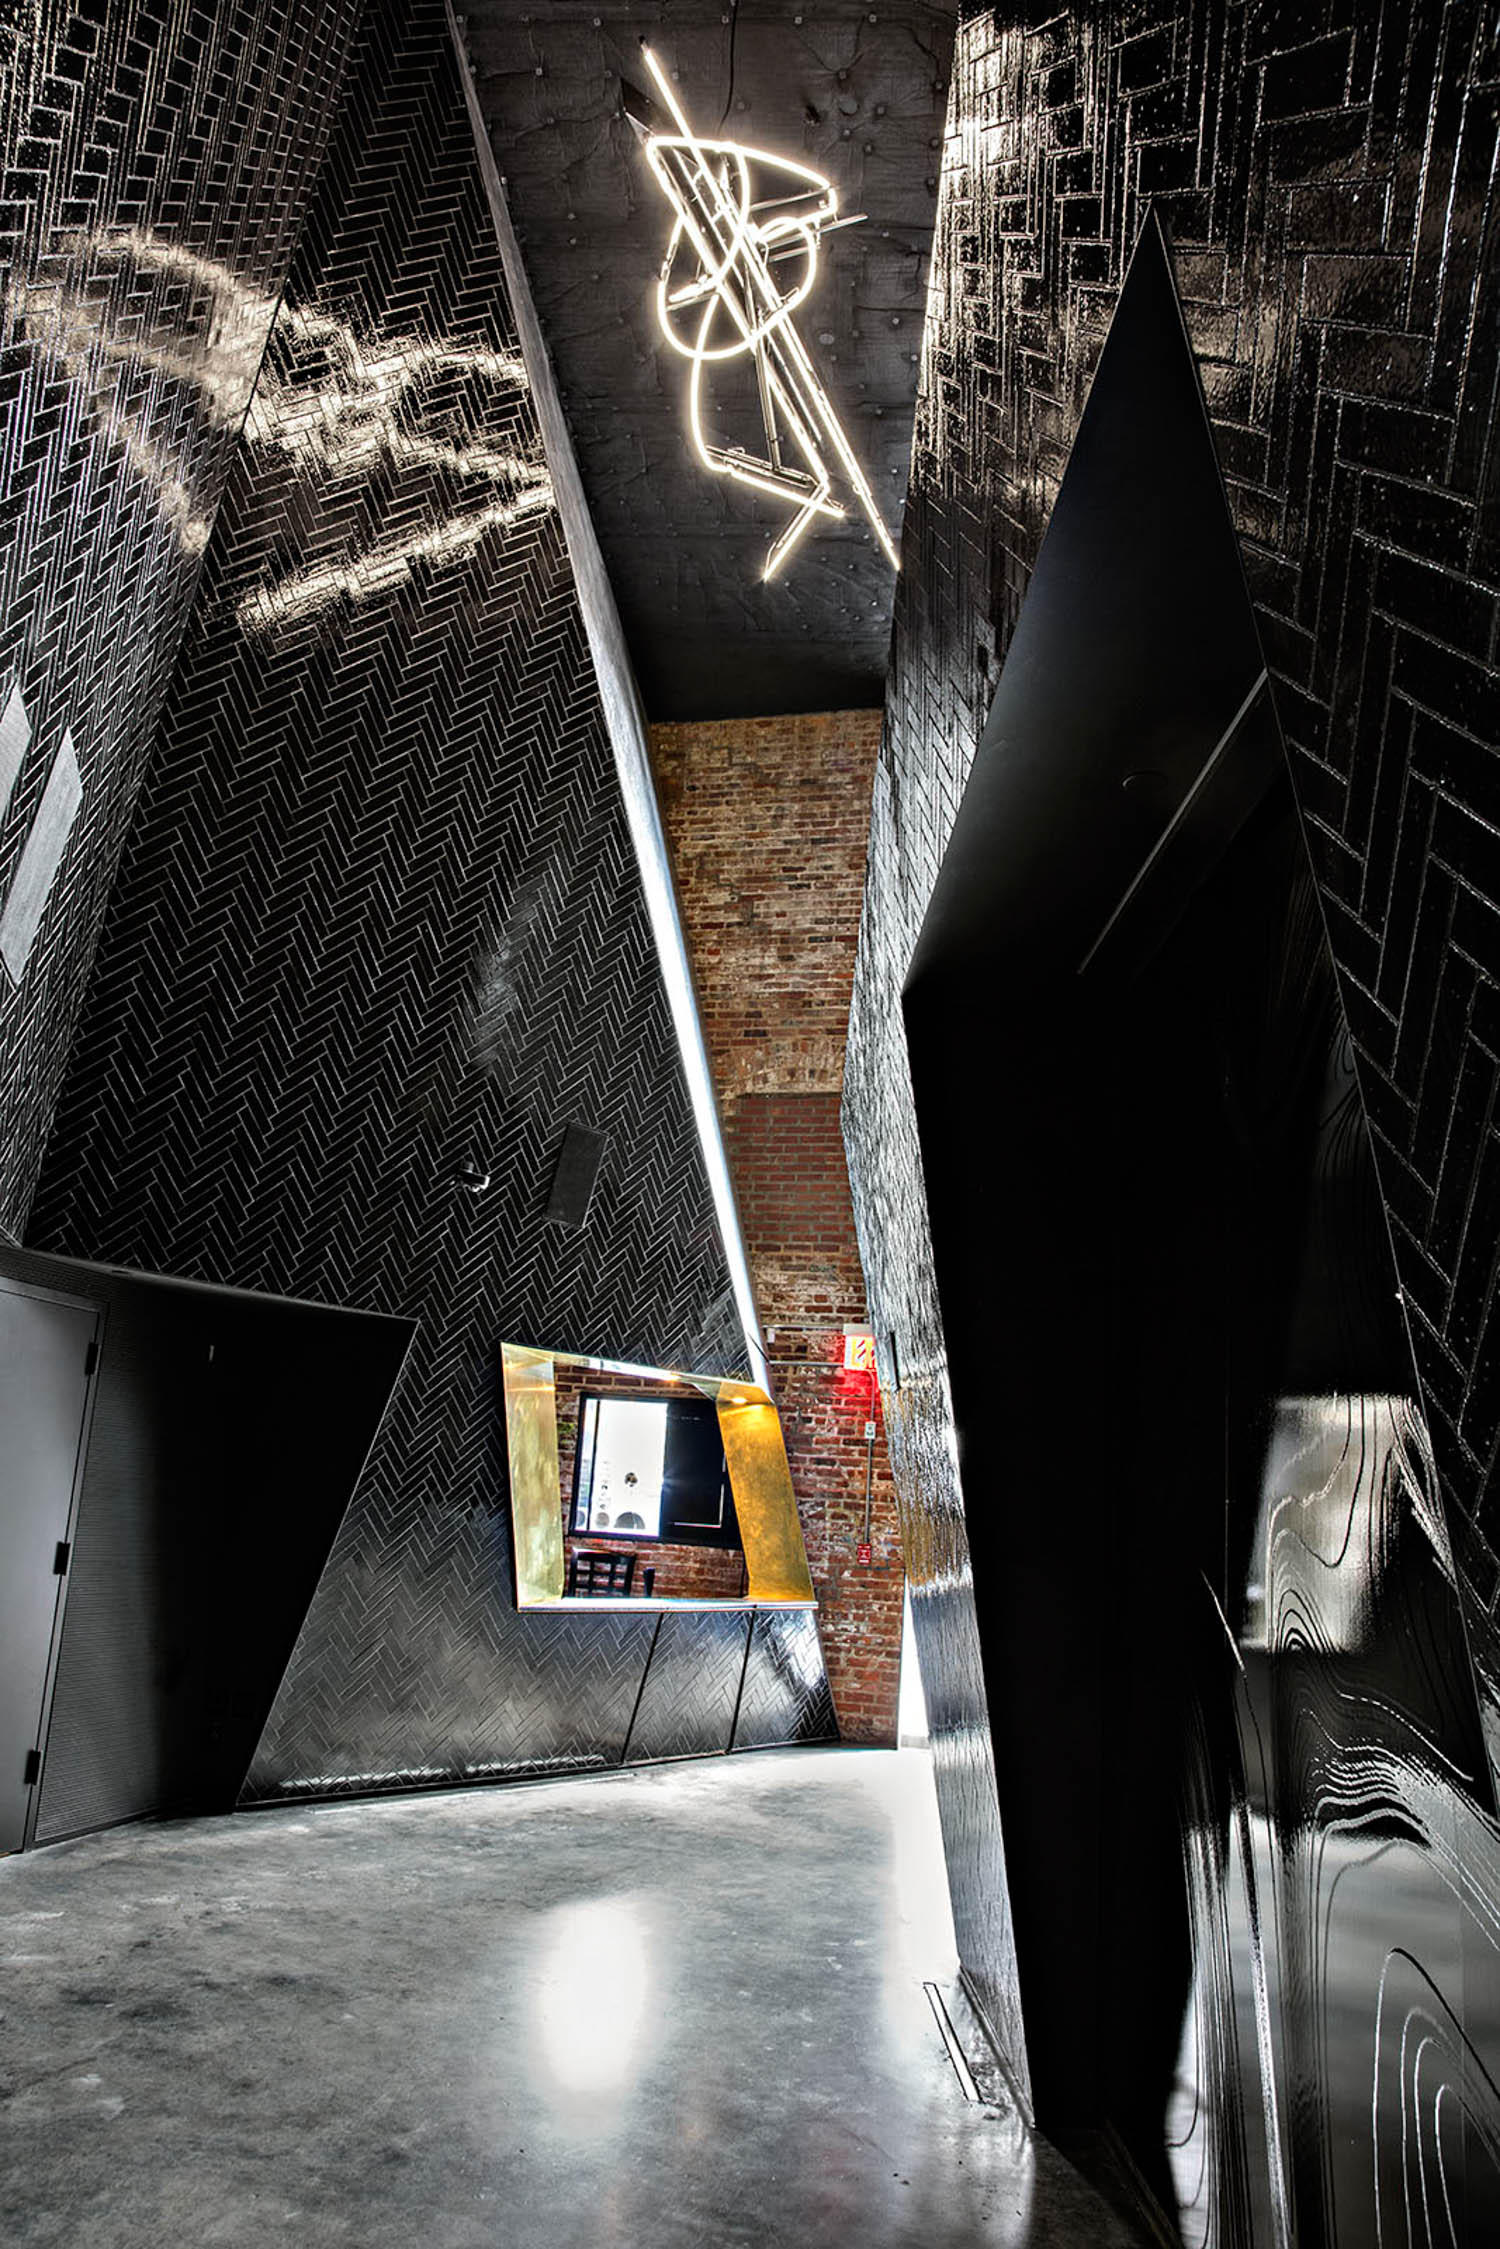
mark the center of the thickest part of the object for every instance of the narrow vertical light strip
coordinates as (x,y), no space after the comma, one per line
(625,718)
(41,860)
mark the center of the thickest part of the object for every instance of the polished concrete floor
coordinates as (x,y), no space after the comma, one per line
(672,2008)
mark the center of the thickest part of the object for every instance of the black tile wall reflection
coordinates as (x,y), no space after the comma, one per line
(155,169)
(1326,179)
(692,1689)
(785,1692)
(379,935)
(1341,2041)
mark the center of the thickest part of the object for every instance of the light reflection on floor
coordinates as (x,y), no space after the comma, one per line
(594,2004)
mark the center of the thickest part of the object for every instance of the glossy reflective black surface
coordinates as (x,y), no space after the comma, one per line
(380,932)
(157,162)
(1319,182)
(1240,1765)
(1335,2081)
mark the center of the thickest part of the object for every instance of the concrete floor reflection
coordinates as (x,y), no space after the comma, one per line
(591,2005)
(681,2006)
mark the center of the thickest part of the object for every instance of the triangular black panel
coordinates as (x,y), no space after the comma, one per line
(1133,655)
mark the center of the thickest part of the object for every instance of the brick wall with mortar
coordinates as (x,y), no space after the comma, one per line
(767,822)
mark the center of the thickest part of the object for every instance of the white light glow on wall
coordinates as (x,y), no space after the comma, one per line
(742,258)
(346,411)
(210,330)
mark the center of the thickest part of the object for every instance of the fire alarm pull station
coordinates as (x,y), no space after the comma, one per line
(864,1553)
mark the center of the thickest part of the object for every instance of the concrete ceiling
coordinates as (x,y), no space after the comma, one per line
(858,93)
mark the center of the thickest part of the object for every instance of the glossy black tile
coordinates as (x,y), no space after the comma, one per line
(154,172)
(379,932)
(784,1692)
(692,1689)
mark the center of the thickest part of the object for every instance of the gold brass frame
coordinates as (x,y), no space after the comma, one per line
(754,1450)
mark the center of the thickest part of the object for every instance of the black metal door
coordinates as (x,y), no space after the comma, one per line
(46,1359)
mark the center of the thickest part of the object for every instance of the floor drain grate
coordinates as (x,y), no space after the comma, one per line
(949,2036)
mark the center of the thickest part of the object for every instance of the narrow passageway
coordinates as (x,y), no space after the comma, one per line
(676,2007)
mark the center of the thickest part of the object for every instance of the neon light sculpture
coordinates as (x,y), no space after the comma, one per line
(739,264)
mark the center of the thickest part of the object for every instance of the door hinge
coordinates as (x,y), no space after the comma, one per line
(91,1360)
(33,1772)
(60,1558)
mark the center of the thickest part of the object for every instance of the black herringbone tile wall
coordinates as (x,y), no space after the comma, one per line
(691,1691)
(785,1694)
(1327,179)
(156,163)
(379,938)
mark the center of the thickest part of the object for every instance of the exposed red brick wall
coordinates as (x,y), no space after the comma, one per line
(767,821)
(786,1153)
(683,1573)
(824,1411)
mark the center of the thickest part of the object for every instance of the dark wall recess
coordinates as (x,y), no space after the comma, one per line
(578,1162)
(378,930)
(227,1434)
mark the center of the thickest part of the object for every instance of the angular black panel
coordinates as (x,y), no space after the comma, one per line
(226,1437)
(1319,181)
(1133,655)
(687,1704)
(157,163)
(554,1698)
(379,929)
(1134,652)
(1338,1810)
(1215,1595)
(785,1697)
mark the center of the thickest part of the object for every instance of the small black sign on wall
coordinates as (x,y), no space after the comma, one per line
(578,1163)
